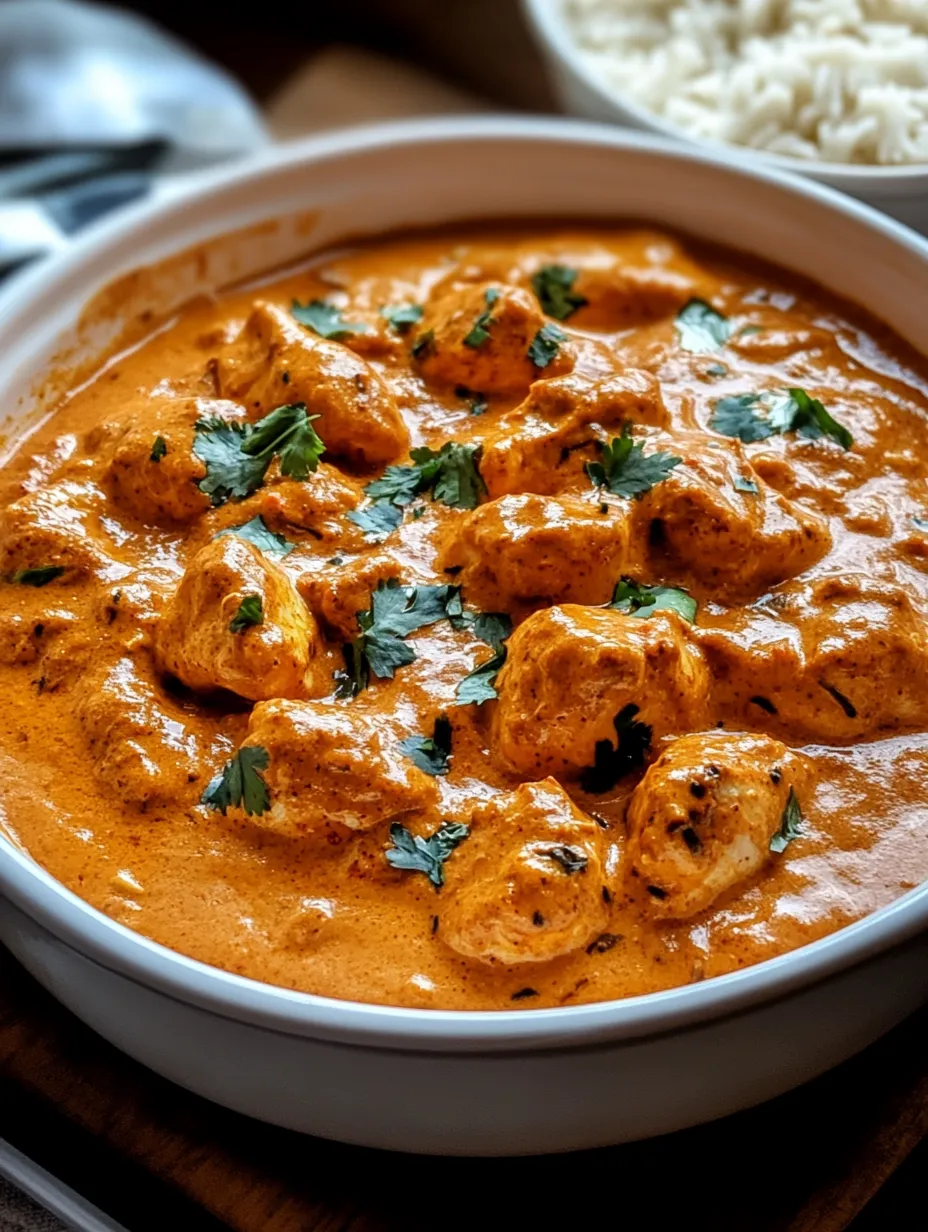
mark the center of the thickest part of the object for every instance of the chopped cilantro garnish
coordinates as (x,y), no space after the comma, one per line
(158,449)
(402,316)
(377,520)
(626,470)
(613,762)
(240,784)
(637,600)
(479,686)
(325,320)
(425,855)
(743,484)
(250,612)
(424,344)
(754,417)
(451,474)
(700,328)
(790,824)
(553,285)
(40,575)
(480,331)
(478,402)
(571,859)
(395,612)
(431,753)
(256,531)
(237,456)
(545,345)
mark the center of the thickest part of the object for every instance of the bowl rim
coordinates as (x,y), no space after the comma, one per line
(114,947)
(548,23)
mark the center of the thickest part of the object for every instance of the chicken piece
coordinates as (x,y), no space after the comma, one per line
(23,639)
(317,505)
(501,323)
(330,768)
(525,547)
(142,745)
(571,671)
(527,885)
(57,525)
(159,486)
(701,820)
(201,641)
(840,660)
(338,592)
(735,541)
(545,443)
(275,360)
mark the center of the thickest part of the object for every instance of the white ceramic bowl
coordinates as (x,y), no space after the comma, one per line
(509,1082)
(899,191)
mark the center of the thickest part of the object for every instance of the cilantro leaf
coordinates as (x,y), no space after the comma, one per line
(553,286)
(425,855)
(377,520)
(39,575)
(256,531)
(754,417)
(424,345)
(431,753)
(613,763)
(742,484)
(790,824)
(480,331)
(629,596)
(626,470)
(250,612)
(325,320)
(395,612)
(545,345)
(479,686)
(237,456)
(402,316)
(158,449)
(571,859)
(811,419)
(700,328)
(451,474)
(240,785)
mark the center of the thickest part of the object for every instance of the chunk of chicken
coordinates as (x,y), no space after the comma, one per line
(525,547)
(331,769)
(527,885)
(701,820)
(160,485)
(480,338)
(545,443)
(143,747)
(202,642)
(24,638)
(317,505)
(572,670)
(57,525)
(275,360)
(735,541)
(336,593)
(836,661)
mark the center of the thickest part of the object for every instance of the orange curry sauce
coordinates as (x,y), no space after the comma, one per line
(651,799)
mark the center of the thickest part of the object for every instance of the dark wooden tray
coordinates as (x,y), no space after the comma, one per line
(810,1161)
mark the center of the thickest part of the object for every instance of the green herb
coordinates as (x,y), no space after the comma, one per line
(395,612)
(553,285)
(920,523)
(479,686)
(426,855)
(478,402)
(743,484)
(716,370)
(612,763)
(700,328)
(41,575)
(250,612)
(431,753)
(790,824)
(571,859)
(158,450)
(377,520)
(545,345)
(626,470)
(424,344)
(256,531)
(749,330)
(325,320)
(402,316)
(754,417)
(237,456)
(240,784)
(629,596)
(451,474)
(480,331)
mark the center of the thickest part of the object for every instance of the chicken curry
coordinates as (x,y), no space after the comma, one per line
(501,619)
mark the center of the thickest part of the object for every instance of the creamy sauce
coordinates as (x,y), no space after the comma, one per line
(115,724)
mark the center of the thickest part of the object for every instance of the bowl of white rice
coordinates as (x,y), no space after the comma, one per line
(834,89)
